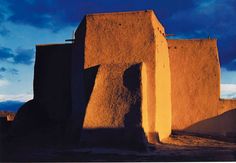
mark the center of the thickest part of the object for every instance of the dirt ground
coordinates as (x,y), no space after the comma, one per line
(175,148)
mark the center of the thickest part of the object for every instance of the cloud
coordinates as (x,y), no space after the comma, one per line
(6,53)
(24,56)
(185,18)
(20,56)
(14,71)
(56,14)
(227,51)
(2,69)
(3,14)
(4,83)
(228,90)
(214,18)
(201,17)
(50,14)
(15,97)
(4,31)
(206,17)
(232,65)
(228,77)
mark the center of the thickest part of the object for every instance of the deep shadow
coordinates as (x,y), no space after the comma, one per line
(132,81)
(89,76)
(52,96)
(32,127)
(29,117)
(132,77)
(221,127)
(52,80)
(89,80)
(75,119)
(110,138)
(133,119)
(44,120)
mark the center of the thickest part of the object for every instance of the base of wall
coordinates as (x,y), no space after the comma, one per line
(123,138)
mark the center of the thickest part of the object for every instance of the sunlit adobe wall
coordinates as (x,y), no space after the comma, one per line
(195,81)
(162,81)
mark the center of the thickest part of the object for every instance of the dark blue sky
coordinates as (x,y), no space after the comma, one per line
(24,23)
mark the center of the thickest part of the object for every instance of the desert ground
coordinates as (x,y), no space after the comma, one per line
(179,147)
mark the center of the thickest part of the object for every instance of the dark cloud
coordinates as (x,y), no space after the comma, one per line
(2,69)
(231,66)
(194,18)
(185,18)
(227,52)
(56,14)
(214,18)
(3,11)
(21,56)
(3,14)
(24,56)
(205,18)
(4,31)
(5,53)
(14,71)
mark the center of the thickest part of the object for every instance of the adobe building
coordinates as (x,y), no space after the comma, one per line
(122,82)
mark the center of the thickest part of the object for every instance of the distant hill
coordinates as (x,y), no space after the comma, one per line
(12,106)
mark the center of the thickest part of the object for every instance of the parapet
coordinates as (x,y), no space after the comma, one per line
(111,37)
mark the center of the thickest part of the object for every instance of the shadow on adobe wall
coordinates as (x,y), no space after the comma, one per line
(131,135)
(132,81)
(220,127)
(132,78)
(89,81)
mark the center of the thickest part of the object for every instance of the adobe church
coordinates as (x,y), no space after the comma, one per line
(121,81)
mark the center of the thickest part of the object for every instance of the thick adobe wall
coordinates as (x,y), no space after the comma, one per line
(163,83)
(118,82)
(75,121)
(114,112)
(52,80)
(195,81)
(222,125)
(127,38)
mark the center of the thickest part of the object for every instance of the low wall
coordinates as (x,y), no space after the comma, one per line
(220,126)
(226,105)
